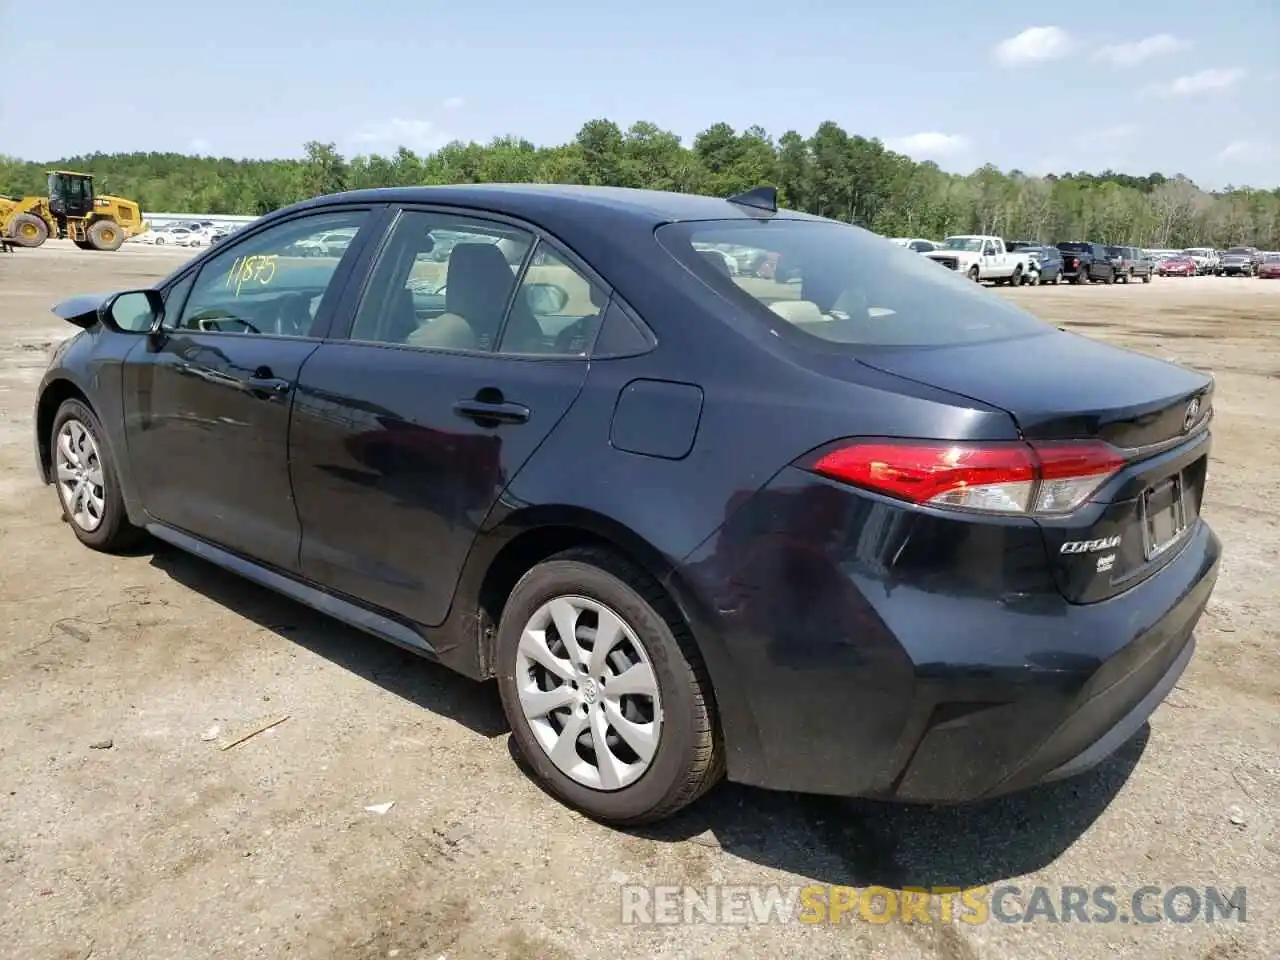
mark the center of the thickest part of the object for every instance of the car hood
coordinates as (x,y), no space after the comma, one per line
(82,309)
(959,254)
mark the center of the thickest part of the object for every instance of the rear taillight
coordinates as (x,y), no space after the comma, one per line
(1047,478)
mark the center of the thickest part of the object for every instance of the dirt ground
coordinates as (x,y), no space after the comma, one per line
(162,845)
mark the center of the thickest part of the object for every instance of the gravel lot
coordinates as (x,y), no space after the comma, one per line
(163,845)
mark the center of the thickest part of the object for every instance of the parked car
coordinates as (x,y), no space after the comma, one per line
(1206,258)
(1178,266)
(980,257)
(1269,268)
(1239,262)
(1046,264)
(543,478)
(917,244)
(1130,262)
(1084,262)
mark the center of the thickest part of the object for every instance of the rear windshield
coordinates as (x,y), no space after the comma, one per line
(824,284)
(1077,247)
(1245,251)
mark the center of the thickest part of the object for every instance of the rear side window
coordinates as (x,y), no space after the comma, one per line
(833,286)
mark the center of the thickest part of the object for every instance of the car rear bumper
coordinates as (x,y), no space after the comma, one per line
(923,658)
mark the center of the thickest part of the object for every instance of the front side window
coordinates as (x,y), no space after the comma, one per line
(443,281)
(835,286)
(263,285)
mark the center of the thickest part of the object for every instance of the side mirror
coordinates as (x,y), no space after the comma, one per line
(135,311)
(545,298)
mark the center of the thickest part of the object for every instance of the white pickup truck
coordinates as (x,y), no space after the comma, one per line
(982,258)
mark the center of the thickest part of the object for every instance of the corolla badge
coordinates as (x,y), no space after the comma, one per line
(1090,546)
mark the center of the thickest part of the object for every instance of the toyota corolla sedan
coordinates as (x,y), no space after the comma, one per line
(858,528)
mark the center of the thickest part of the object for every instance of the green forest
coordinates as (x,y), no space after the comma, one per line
(832,173)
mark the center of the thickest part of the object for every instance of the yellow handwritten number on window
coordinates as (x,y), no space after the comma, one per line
(260,269)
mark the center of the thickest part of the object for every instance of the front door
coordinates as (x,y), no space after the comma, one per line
(467,348)
(207,400)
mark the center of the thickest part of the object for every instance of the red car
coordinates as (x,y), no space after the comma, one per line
(1177,267)
(1269,269)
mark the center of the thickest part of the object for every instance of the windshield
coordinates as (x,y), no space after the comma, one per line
(831,285)
(972,244)
(1197,252)
(1271,258)
(1115,251)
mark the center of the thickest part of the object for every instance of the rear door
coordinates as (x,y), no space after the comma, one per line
(466,347)
(207,400)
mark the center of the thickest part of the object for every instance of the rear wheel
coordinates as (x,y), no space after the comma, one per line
(1111,277)
(86,481)
(1082,275)
(105,235)
(607,696)
(29,230)
(1146,277)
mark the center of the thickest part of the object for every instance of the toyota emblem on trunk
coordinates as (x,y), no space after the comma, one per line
(1192,415)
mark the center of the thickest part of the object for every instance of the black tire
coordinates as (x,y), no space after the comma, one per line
(114,533)
(1127,276)
(28,230)
(1057,278)
(689,758)
(1015,280)
(1082,276)
(974,274)
(1146,277)
(1111,277)
(105,235)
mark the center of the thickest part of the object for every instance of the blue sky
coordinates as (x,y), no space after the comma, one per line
(1181,86)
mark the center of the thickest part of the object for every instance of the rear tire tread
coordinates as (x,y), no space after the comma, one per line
(707,764)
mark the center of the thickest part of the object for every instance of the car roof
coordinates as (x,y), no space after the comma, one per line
(533,201)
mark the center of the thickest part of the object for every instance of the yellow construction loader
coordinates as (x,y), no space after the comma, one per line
(73,212)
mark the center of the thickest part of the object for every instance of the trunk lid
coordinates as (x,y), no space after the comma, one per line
(1062,386)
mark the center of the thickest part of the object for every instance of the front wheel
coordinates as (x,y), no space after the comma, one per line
(1033,278)
(1146,277)
(86,481)
(973,274)
(606,693)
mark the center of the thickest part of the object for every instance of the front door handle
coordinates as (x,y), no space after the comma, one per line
(492,411)
(272,385)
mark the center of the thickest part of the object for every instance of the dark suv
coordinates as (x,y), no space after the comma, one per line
(1130,262)
(1083,262)
(1239,262)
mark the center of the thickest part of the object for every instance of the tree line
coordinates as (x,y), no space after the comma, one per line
(832,173)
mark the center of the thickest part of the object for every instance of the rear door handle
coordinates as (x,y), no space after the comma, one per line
(499,412)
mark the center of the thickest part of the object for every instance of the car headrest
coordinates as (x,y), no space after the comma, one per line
(478,285)
(717,262)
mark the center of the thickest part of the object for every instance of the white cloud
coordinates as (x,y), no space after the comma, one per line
(420,136)
(929,145)
(453,103)
(1108,136)
(199,146)
(1247,151)
(1136,51)
(1033,45)
(1217,80)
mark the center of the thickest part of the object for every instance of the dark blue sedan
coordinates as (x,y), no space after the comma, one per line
(710,488)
